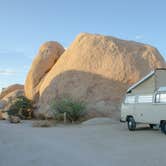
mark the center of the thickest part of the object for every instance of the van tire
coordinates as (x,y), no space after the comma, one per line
(163,127)
(131,123)
(151,126)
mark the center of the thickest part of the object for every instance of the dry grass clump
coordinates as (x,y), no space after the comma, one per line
(43,123)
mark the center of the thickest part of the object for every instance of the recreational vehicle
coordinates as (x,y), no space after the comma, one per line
(145,101)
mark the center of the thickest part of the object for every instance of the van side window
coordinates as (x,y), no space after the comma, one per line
(145,98)
(130,100)
(160,98)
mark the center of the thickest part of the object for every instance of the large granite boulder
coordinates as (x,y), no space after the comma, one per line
(98,69)
(47,56)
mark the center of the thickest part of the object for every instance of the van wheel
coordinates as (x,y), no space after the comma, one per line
(131,123)
(163,127)
(151,126)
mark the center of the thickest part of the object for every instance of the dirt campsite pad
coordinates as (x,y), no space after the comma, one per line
(89,144)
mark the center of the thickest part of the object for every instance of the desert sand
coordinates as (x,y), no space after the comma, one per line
(96,143)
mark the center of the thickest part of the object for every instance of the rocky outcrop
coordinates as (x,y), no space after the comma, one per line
(47,56)
(10,89)
(6,101)
(13,95)
(98,69)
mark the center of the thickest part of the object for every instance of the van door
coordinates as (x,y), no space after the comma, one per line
(143,108)
(159,107)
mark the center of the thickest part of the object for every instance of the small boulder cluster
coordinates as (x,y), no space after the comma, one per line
(14,106)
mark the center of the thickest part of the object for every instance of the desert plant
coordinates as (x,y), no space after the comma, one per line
(74,109)
(21,107)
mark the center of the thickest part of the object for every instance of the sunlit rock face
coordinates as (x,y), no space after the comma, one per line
(47,56)
(98,69)
(10,89)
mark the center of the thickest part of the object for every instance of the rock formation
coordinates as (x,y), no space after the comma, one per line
(47,56)
(13,95)
(10,89)
(97,69)
(7,96)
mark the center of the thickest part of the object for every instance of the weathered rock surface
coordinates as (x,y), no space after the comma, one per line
(1,116)
(47,56)
(98,69)
(10,89)
(13,95)
(6,101)
(2,104)
(14,119)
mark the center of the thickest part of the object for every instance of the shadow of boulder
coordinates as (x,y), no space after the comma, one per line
(102,96)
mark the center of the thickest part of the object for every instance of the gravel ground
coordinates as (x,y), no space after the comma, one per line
(103,144)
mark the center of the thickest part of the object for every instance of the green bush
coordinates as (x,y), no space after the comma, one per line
(74,109)
(21,107)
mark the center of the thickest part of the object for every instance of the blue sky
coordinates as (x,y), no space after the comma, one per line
(26,24)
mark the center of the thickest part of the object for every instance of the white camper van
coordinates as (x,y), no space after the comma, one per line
(145,101)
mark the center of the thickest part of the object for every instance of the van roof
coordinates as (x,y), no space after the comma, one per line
(143,79)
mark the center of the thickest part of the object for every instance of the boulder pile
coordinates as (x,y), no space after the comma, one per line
(96,69)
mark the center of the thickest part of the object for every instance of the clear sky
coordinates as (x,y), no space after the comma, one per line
(26,24)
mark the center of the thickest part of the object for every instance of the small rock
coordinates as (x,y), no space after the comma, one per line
(42,123)
(1,116)
(14,119)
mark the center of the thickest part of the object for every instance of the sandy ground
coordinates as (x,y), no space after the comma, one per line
(104,144)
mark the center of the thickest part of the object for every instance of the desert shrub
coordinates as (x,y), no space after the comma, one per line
(21,107)
(74,109)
